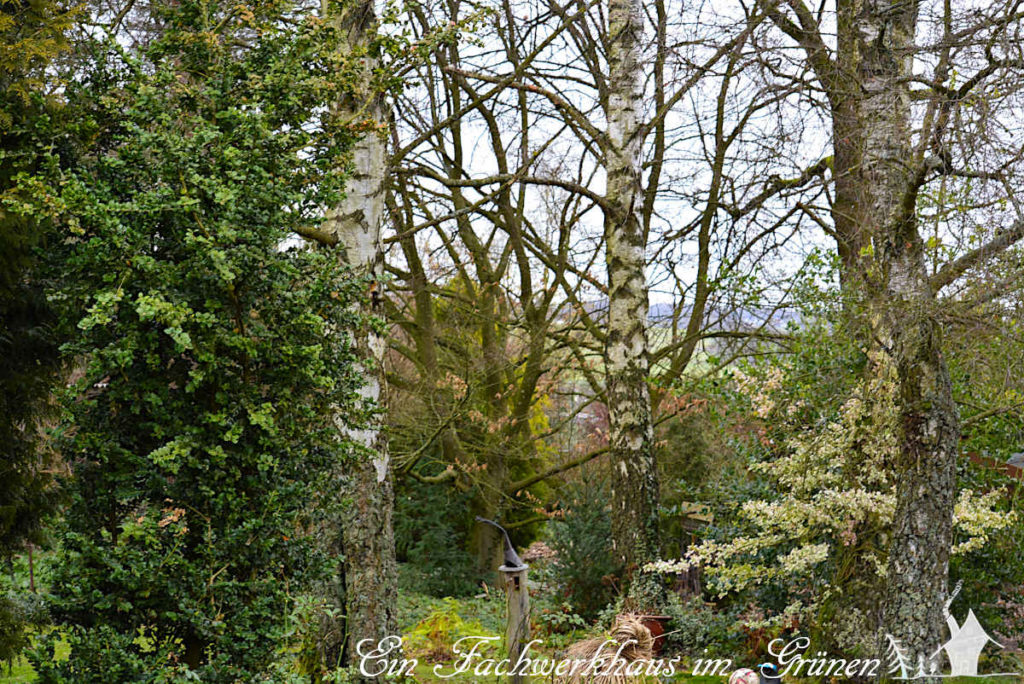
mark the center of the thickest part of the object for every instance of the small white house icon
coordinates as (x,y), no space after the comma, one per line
(965,645)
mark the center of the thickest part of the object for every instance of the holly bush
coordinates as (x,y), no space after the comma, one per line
(213,363)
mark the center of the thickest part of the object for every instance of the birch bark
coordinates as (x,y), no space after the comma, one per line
(879,177)
(367,534)
(635,488)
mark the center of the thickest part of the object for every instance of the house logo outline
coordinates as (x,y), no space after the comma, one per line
(963,649)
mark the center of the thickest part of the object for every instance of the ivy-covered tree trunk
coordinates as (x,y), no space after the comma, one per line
(926,471)
(635,484)
(878,175)
(367,535)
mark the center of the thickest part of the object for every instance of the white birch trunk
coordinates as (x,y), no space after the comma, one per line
(635,488)
(367,534)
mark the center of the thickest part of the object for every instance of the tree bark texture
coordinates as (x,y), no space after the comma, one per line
(367,534)
(877,181)
(635,488)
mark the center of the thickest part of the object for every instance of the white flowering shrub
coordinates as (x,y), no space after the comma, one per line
(822,538)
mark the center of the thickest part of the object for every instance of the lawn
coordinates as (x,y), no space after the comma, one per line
(18,673)
(21,672)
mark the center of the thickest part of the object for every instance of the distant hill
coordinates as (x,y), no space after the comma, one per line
(661,314)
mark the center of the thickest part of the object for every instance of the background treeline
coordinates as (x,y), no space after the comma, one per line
(721,302)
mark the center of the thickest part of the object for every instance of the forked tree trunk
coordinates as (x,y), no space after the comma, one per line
(877,179)
(367,534)
(635,483)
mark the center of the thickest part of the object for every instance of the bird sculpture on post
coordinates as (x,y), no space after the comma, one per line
(517,630)
(512,559)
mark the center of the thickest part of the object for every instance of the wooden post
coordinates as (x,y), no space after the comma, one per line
(517,630)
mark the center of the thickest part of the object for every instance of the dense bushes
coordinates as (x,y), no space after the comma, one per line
(32,36)
(430,540)
(586,569)
(801,535)
(212,362)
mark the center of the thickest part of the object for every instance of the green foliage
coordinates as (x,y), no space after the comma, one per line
(682,452)
(488,609)
(985,348)
(821,536)
(697,629)
(560,619)
(432,638)
(18,610)
(28,363)
(806,541)
(212,359)
(23,609)
(993,572)
(586,569)
(32,35)
(430,540)
(455,420)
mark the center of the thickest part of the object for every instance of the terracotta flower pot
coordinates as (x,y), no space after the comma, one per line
(656,624)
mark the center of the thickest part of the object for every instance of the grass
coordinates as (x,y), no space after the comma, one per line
(18,672)
(485,614)
(488,610)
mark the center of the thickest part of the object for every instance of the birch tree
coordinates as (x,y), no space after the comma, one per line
(629,211)
(533,101)
(367,535)
(631,435)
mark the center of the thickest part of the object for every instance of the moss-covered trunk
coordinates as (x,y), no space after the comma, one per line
(878,175)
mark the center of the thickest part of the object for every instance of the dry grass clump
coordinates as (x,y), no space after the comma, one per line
(627,629)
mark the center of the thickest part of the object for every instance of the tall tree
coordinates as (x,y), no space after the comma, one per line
(200,425)
(355,224)
(886,181)
(627,365)
(484,314)
(885,154)
(32,35)
(529,226)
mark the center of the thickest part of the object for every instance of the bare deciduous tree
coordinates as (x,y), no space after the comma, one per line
(891,143)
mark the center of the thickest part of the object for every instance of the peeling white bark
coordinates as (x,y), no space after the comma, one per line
(357,222)
(635,497)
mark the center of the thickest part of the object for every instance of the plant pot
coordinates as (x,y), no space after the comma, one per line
(656,624)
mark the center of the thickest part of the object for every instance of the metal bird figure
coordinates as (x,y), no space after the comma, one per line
(768,673)
(512,559)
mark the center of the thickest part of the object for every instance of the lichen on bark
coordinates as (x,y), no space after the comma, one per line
(635,484)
